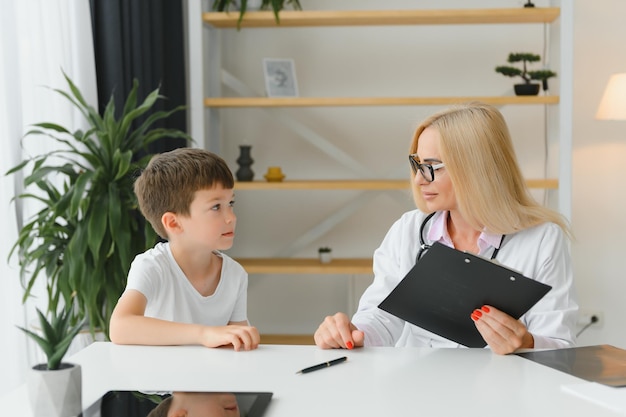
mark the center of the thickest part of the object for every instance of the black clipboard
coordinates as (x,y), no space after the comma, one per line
(440,292)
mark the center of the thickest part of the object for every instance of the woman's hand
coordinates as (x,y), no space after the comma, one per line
(338,332)
(503,333)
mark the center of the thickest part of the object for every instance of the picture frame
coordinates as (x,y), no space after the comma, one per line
(280,77)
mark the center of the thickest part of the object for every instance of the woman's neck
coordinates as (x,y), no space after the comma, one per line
(464,236)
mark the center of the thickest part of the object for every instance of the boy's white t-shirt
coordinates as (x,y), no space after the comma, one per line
(171,296)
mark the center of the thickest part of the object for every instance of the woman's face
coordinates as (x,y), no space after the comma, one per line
(439,194)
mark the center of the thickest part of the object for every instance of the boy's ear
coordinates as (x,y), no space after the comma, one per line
(170,222)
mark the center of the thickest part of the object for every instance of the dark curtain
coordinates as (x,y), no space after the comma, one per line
(142,39)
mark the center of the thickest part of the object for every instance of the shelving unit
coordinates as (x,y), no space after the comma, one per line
(376,18)
(308,19)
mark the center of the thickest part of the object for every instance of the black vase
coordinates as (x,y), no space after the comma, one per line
(244,173)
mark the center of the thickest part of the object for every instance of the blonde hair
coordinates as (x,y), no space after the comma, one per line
(476,146)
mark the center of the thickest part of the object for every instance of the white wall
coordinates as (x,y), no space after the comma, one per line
(405,61)
(599,194)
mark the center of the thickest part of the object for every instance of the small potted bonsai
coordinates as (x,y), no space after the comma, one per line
(527,88)
(55,387)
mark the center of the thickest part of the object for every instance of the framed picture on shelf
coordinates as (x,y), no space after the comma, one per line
(280,77)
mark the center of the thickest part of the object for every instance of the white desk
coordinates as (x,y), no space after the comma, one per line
(374,381)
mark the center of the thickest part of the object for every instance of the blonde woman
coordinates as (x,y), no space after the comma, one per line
(471,196)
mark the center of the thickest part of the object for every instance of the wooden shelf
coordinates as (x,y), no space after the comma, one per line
(324,185)
(549,183)
(312,18)
(306,266)
(236,102)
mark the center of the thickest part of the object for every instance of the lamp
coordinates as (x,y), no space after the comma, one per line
(613,103)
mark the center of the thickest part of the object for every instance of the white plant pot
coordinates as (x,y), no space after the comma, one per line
(325,257)
(55,393)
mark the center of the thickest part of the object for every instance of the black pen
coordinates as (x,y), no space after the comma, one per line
(323,365)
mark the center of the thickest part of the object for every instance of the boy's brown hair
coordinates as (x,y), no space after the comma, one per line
(169,182)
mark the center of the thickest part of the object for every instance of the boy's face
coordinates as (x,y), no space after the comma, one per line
(205,405)
(211,221)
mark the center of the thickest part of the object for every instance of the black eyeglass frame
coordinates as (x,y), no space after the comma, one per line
(417,166)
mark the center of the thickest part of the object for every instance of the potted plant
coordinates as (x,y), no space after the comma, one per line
(55,387)
(88,230)
(527,88)
(276,6)
(325,254)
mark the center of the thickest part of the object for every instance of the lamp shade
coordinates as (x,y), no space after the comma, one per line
(613,103)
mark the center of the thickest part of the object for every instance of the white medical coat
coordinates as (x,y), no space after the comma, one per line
(540,253)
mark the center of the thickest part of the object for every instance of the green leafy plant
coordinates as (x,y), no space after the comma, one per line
(86,235)
(275,5)
(524,73)
(56,336)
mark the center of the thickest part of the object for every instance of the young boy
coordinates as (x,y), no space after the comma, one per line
(185,291)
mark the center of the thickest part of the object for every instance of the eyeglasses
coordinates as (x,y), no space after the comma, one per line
(427,170)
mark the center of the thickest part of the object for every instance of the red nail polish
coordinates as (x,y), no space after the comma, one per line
(474,317)
(349,345)
(485,309)
(478,313)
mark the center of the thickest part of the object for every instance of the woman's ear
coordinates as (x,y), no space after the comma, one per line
(170,222)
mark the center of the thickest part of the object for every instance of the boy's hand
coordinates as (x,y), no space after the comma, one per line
(241,337)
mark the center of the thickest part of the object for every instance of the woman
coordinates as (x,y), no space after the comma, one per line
(465,173)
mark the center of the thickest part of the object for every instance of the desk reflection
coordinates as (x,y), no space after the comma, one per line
(191,404)
(604,364)
(179,404)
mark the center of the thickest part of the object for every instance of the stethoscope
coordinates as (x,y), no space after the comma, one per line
(424,247)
